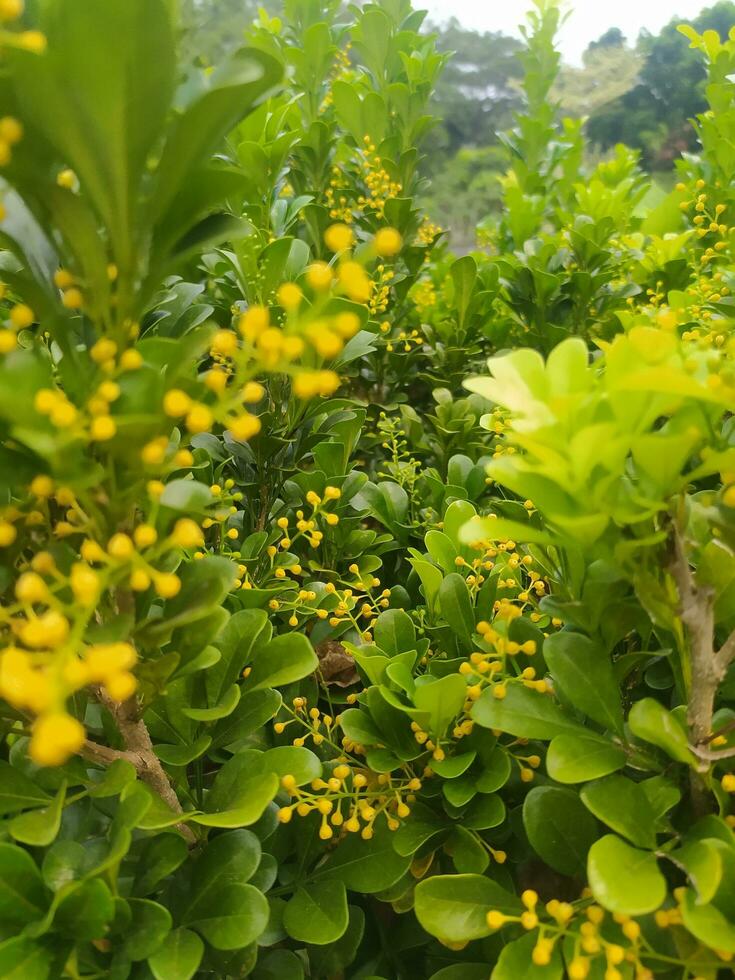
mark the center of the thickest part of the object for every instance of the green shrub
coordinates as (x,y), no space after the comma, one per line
(325,652)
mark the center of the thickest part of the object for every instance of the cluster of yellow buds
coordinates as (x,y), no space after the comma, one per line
(380,187)
(33,41)
(489,666)
(352,799)
(428,232)
(600,942)
(11,132)
(423,294)
(363,186)
(401,340)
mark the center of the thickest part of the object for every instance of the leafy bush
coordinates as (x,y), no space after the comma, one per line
(328,650)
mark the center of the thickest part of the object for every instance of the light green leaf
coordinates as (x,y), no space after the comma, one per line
(285,659)
(179,957)
(649,720)
(624,806)
(453,908)
(577,758)
(39,827)
(624,879)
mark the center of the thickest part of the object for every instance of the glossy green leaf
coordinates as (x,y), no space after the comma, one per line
(179,956)
(39,827)
(524,713)
(577,758)
(230,918)
(454,908)
(559,828)
(623,878)
(515,963)
(584,673)
(22,895)
(285,659)
(623,806)
(18,791)
(150,923)
(317,912)
(649,720)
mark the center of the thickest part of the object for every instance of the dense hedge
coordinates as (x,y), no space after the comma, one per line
(330,648)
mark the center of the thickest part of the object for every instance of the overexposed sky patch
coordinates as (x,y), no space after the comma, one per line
(587,21)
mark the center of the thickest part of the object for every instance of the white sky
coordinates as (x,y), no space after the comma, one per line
(589,19)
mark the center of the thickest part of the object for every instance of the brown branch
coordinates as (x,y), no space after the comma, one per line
(697,615)
(715,755)
(138,751)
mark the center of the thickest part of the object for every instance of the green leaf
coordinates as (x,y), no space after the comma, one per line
(456,607)
(150,923)
(22,895)
(424,825)
(464,273)
(702,862)
(22,959)
(240,805)
(230,918)
(515,963)
(64,861)
(86,912)
(17,791)
(182,755)
(442,700)
(186,496)
(159,856)
(577,758)
(584,673)
(623,878)
(524,713)
(116,778)
(39,827)
(253,711)
(226,706)
(486,810)
(707,923)
(394,632)
(453,908)
(285,659)
(228,859)
(292,760)
(317,913)
(179,957)
(649,720)
(559,828)
(501,529)
(495,773)
(279,964)
(624,806)
(366,866)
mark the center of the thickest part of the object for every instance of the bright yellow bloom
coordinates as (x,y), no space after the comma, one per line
(289,296)
(387,242)
(319,275)
(339,237)
(21,316)
(176,403)
(55,737)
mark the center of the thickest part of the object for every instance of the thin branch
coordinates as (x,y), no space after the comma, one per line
(713,755)
(726,654)
(138,751)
